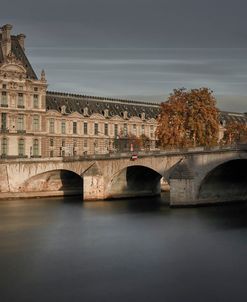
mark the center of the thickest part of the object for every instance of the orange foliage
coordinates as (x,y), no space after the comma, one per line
(235,132)
(188,118)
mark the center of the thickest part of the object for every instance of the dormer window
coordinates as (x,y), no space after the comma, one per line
(125,115)
(63,109)
(143,115)
(85,111)
(106,113)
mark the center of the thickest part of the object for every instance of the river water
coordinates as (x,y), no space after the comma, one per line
(127,250)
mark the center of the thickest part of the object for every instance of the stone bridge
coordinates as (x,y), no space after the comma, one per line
(195,176)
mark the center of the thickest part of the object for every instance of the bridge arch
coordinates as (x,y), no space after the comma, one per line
(54,183)
(225,182)
(133,181)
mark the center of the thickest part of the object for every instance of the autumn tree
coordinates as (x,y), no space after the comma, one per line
(188,118)
(127,142)
(235,132)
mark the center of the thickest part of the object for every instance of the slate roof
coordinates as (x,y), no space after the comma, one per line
(77,103)
(20,55)
(227,117)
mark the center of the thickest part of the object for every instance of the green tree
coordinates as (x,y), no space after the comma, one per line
(188,118)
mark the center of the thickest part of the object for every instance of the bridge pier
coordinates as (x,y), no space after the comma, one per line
(93,184)
(182,192)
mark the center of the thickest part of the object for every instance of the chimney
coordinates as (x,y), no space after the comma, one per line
(21,40)
(6,39)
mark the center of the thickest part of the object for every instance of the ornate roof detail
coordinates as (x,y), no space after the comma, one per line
(11,58)
(42,76)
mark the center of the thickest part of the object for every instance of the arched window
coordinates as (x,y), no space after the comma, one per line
(35,147)
(21,147)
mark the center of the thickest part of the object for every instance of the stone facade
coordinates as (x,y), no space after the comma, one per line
(38,123)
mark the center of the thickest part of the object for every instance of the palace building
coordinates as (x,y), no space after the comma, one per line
(40,123)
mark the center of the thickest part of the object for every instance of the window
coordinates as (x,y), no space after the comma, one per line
(85,143)
(4,86)
(74,127)
(4,146)
(4,121)
(142,129)
(36,101)
(106,129)
(20,100)
(62,149)
(51,125)
(35,147)
(134,129)
(85,128)
(51,153)
(125,130)
(63,127)
(96,129)
(36,123)
(51,142)
(4,100)
(20,122)
(21,147)
(115,130)
(35,88)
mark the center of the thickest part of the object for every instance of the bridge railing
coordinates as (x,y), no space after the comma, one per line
(129,154)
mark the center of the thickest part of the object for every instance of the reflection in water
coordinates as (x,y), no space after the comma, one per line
(126,250)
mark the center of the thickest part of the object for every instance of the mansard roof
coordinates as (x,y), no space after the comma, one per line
(17,50)
(237,117)
(77,103)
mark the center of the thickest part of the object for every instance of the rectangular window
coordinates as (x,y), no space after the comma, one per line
(51,153)
(125,130)
(96,129)
(36,101)
(51,126)
(51,142)
(106,129)
(85,143)
(4,86)
(4,100)
(4,146)
(142,129)
(20,100)
(63,127)
(20,122)
(74,127)
(21,147)
(115,130)
(4,121)
(36,123)
(85,128)
(36,147)
(63,143)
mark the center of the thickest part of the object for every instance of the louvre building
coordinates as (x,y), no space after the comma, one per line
(40,123)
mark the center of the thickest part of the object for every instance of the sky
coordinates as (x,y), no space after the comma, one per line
(136,49)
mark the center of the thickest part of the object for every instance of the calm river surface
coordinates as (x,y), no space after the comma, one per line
(128,250)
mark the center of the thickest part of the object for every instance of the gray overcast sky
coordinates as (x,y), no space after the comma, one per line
(137,49)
